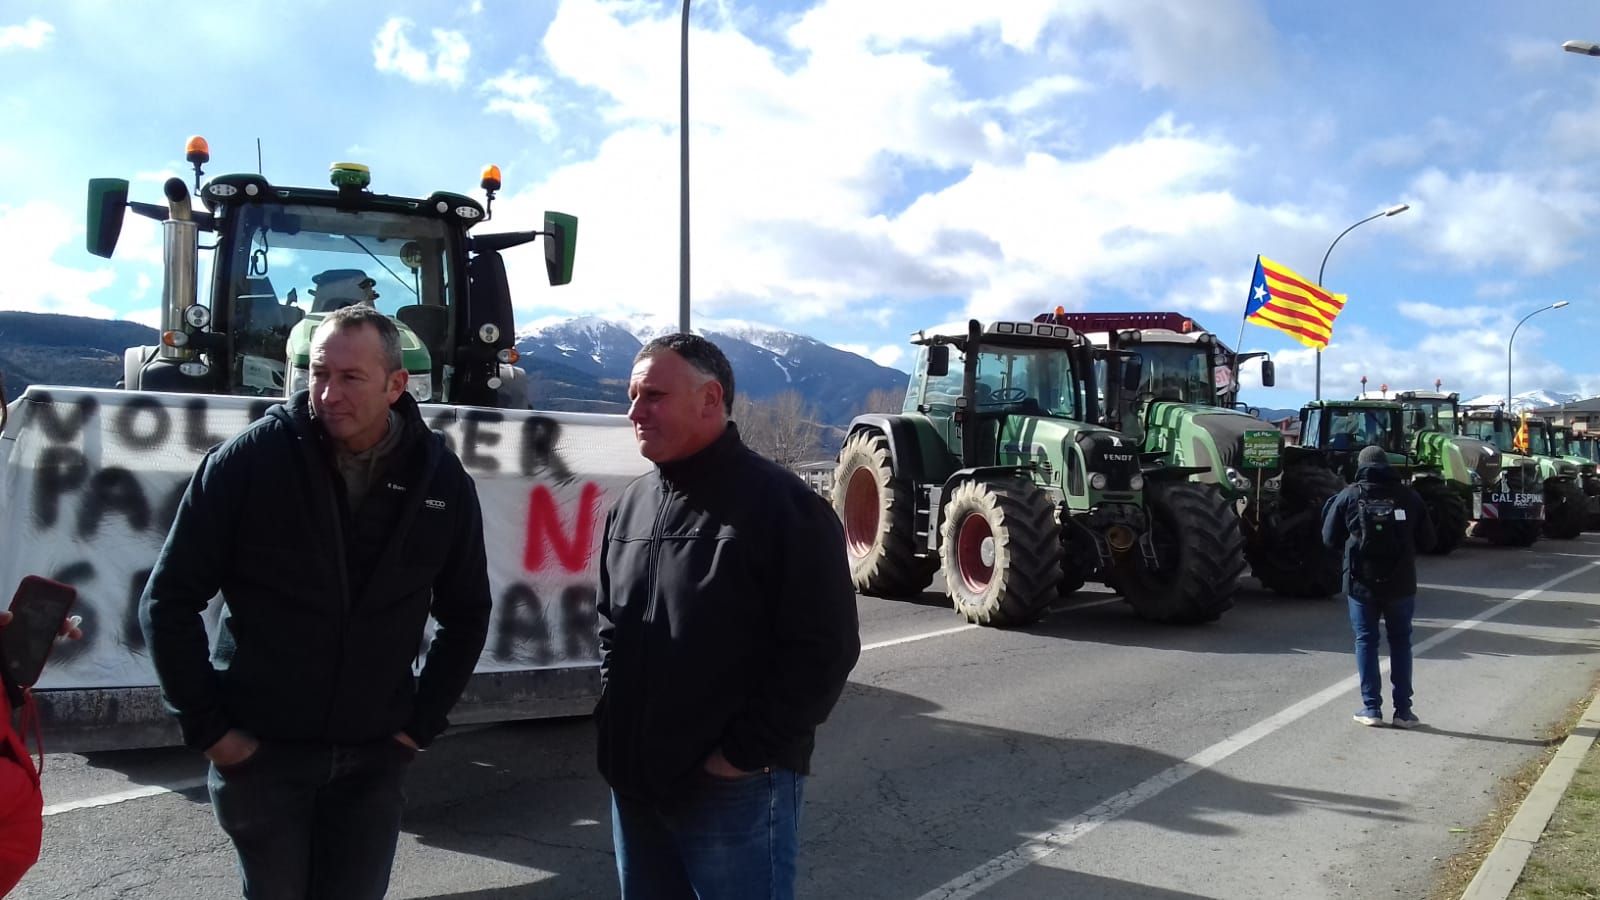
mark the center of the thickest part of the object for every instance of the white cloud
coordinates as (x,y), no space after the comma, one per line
(150,317)
(1038,93)
(33,235)
(30,35)
(800,166)
(515,94)
(392,51)
(1534,221)
(1463,347)
(888,355)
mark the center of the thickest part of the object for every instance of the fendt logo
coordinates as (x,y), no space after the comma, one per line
(1117,457)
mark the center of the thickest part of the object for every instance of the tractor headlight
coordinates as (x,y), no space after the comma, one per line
(1098,481)
(1136,483)
(489,333)
(420,387)
(299,380)
(1237,478)
(197,316)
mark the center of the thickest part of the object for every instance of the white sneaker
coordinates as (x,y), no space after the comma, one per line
(1406,720)
(1365,718)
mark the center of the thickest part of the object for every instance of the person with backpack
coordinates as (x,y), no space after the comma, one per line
(1380,523)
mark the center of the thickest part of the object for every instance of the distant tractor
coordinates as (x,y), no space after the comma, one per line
(1183,411)
(444,286)
(1340,429)
(994,474)
(1576,447)
(1527,482)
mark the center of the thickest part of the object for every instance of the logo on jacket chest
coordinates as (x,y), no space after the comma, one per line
(433,504)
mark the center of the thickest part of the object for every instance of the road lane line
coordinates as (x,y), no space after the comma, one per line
(1064,833)
(916,637)
(149,790)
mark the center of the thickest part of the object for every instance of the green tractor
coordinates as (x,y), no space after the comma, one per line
(1530,477)
(1183,411)
(1340,429)
(1444,459)
(1566,508)
(993,474)
(1578,448)
(445,287)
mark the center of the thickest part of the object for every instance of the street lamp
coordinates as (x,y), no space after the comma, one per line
(1556,305)
(1394,210)
(1585,47)
(683,181)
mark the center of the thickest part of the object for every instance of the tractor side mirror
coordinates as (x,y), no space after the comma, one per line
(108,200)
(1269,375)
(560,246)
(938,360)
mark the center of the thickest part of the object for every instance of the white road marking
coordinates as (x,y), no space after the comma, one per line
(149,790)
(894,642)
(1064,833)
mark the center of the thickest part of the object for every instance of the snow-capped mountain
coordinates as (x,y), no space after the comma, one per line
(1539,398)
(587,361)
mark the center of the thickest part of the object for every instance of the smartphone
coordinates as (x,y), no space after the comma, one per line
(39,608)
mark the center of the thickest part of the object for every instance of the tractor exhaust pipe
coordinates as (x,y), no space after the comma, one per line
(180,269)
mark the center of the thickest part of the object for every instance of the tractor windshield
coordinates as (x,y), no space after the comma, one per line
(1177,372)
(1503,437)
(1026,380)
(1351,428)
(1430,415)
(288,260)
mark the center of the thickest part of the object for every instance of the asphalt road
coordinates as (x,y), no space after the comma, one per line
(1091,755)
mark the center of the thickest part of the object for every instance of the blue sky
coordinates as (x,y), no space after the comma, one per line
(862,169)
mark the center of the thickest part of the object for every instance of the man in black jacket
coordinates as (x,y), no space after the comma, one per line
(1379,524)
(727,630)
(333,528)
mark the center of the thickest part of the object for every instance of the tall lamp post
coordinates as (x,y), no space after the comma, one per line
(1556,305)
(683,181)
(1395,210)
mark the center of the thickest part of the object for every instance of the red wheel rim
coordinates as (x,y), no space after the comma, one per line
(861,513)
(975,572)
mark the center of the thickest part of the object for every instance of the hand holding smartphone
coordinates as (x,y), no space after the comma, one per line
(39,610)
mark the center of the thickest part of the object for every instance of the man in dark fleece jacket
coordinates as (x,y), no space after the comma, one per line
(333,527)
(1380,582)
(727,630)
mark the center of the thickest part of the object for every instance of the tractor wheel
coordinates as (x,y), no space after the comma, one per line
(1513,533)
(1290,559)
(1199,553)
(1448,513)
(1565,509)
(876,510)
(1591,487)
(1000,546)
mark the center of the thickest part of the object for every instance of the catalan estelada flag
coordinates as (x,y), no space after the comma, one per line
(1281,299)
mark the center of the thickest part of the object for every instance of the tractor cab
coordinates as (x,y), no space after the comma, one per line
(284,257)
(1340,429)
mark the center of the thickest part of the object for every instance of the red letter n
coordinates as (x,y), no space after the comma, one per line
(544,529)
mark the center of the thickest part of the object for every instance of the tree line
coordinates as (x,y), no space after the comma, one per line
(785,428)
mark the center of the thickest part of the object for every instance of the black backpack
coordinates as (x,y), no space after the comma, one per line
(1382,536)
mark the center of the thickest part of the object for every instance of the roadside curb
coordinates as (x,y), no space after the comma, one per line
(1503,866)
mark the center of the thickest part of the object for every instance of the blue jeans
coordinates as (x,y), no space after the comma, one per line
(728,839)
(313,820)
(1396,615)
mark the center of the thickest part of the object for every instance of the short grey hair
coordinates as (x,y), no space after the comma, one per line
(349,318)
(701,355)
